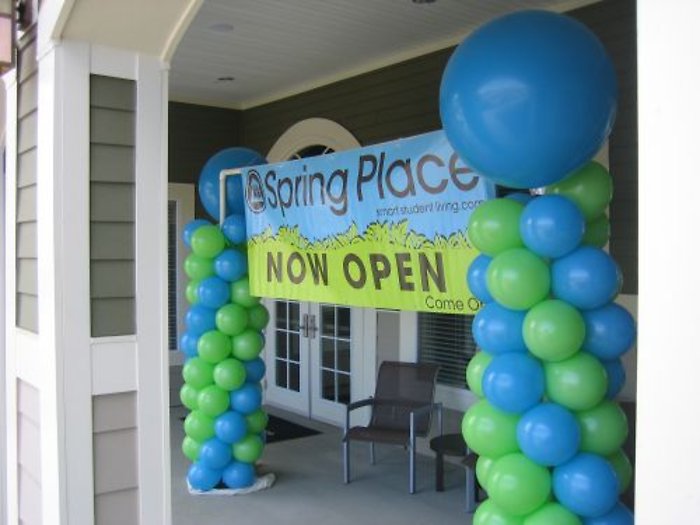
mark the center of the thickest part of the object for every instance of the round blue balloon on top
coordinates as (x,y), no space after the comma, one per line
(208,186)
(528,98)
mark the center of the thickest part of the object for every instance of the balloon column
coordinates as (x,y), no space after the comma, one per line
(224,431)
(527,100)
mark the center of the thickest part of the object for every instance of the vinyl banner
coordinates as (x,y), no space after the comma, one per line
(382,227)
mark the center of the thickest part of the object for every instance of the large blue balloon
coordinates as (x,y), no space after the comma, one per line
(616,377)
(620,515)
(239,475)
(201,477)
(188,344)
(528,98)
(209,179)
(587,485)
(498,330)
(476,278)
(213,292)
(513,382)
(230,427)
(610,331)
(552,225)
(246,399)
(200,319)
(215,454)
(254,370)
(548,434)
(234,228)
(588,278)
(231,265)
(189,229)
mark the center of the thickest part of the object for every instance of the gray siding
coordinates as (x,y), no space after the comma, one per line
(112,211)
(115,451)
(29,453)
(26,216)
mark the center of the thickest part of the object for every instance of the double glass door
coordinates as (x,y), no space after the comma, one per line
(313,358)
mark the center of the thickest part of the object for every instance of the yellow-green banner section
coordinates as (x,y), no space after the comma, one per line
(385,266)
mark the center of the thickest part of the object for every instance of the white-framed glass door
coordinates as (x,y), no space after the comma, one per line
(314,358)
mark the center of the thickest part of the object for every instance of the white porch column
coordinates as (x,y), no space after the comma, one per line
(668,432)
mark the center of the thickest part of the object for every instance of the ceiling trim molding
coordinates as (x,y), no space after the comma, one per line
(179,30)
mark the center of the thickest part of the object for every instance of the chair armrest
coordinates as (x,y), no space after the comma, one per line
(359,404)
(421,410)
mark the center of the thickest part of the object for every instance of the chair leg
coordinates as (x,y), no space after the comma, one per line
(471,489)
(346,461)
(372,458)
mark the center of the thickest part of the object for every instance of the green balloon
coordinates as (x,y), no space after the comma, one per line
(552,514)
(495,226)
(488,513)
(489,431)
(603,428)
(199,426)
(518,279)
(249,449)
(483,470)
(213,401)
(198,268)
(597,232)
(518,485)
(248,345)
(188,396)
(623,468)
(198,373)
(214,346)
(554,330)
(191,293)
(240,293)
(257,421)
(229,374)
(578,383)
(190,448)
(208,241)
(231,319)
(475,371)
(590,188)
(258,317)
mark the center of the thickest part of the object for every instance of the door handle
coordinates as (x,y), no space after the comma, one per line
(305,326)
(312,329)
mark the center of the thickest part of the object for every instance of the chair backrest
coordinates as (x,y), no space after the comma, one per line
(402,387)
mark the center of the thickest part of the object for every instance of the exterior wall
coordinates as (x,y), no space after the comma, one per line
(29,453)
(26,199)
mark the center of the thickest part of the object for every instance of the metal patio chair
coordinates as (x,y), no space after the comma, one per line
(402,409)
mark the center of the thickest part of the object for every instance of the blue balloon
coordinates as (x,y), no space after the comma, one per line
(239,475)
(616,377)
(201,477)
(476,278)
(231,265)
(528,98)
(548,434)
(522,198)
(190,228)
(246,399)
(188,344)
(215,454)
(213,292)
(230,427)
(620,515)
(610,331)
(513,382)
(233,228)
(552,225)
(254,370)
(209,180)
(587,485)
(200,319)
(587,278)
(498,330)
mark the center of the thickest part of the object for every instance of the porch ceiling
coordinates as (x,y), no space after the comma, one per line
(275,48)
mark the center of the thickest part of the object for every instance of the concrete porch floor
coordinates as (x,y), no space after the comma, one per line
(309,487)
